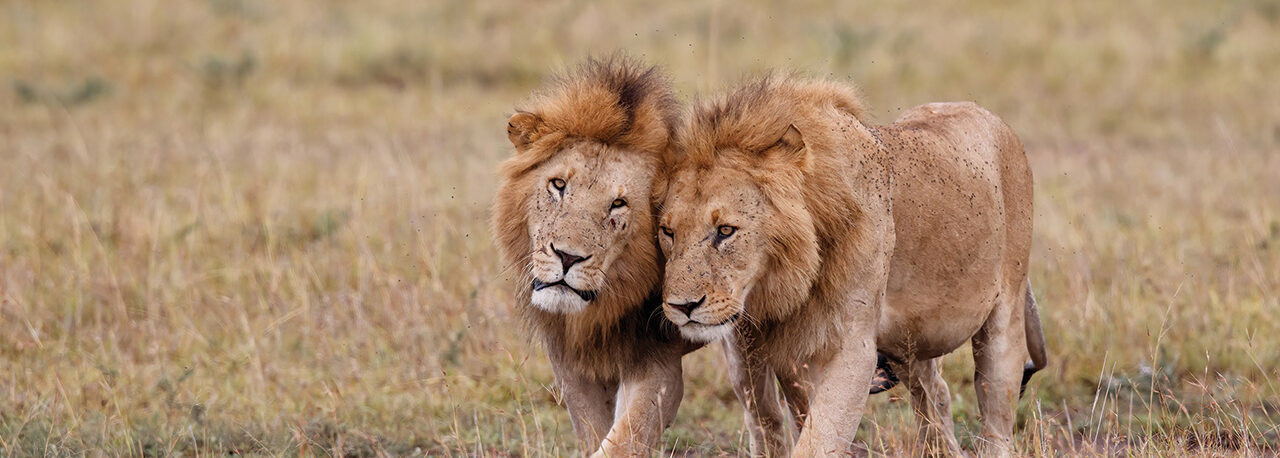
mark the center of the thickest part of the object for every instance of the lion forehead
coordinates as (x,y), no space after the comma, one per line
(622,168)
(698,195)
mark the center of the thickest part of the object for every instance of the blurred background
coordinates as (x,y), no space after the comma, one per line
(231,226)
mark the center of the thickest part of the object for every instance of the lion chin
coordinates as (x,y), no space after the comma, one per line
(705,333)
(558,299)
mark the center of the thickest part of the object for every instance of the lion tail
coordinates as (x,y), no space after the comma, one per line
(1035,339)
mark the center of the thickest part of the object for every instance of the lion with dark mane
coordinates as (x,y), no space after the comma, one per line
(815,240)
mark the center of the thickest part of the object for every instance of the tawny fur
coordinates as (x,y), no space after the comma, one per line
(848,238)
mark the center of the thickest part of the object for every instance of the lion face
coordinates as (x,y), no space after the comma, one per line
(587,204)
(739,242)
(714,242)
(574,213)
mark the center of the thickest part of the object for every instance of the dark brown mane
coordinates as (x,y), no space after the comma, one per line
(615,100)
(628,106)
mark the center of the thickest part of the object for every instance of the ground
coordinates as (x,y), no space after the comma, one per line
(261,227)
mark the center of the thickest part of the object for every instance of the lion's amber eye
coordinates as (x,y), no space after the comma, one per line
(667,232)
(618,203)
(726,231)
(558,184)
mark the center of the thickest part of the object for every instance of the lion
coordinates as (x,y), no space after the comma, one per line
(575,215)
(817,242)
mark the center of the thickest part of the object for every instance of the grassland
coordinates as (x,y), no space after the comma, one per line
(261,227)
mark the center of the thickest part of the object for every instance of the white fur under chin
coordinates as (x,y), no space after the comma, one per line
(705,334)
(557,299)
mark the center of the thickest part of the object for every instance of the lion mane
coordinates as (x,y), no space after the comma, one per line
(739,127)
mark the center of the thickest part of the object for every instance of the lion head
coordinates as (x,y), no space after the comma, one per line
(575,212)
(739,240)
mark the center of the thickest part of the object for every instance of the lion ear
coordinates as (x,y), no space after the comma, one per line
(790,147)
(522,129)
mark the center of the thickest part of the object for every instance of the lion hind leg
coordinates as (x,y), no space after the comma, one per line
(999,353)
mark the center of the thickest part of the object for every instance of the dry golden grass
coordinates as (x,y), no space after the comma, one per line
(260,227)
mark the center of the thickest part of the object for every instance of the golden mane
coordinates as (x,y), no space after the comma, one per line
(807,184)
(752,117)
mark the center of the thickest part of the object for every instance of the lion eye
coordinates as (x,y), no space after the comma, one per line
(725,231)
(558,184)
(667,232)
(618,203)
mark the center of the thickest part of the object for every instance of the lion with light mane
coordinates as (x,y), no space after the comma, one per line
(813,240)
(574,218)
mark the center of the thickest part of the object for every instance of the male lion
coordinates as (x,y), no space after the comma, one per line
(814,241)
(575,216)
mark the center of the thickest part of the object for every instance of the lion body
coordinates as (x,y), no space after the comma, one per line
(962,223)
(910,239)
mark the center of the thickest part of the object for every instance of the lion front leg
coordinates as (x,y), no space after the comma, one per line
(590,404)
(756,389)
(931,401)
(794,382)
(647,404)
(840,389)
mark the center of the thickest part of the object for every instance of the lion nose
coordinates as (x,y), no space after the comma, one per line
(688,307)
(567,260)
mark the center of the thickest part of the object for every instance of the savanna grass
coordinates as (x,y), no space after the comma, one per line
(260,227)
